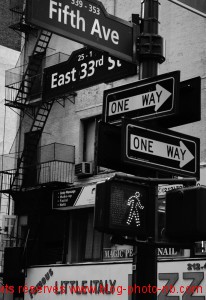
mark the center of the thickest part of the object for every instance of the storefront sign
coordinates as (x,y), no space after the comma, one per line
(183,279)
(163,189)
(74,197)
(162,252)
(79,281)
(127,253)
(118,253)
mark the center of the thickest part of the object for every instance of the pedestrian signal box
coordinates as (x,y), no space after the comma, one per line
(123,208)
(186,214)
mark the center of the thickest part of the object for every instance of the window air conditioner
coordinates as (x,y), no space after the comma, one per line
(83,169)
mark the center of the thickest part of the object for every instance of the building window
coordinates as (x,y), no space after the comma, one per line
(89,128)
(30,158)
(9,224)
(45,241)
(85,243)
(22,229)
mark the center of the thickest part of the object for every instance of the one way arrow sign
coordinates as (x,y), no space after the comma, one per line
(166,150)
(147,99)
(154,98)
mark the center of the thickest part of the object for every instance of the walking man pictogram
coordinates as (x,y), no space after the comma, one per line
(135,205)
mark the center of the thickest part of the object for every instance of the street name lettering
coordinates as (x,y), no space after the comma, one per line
(86,22)
(105,33)
(61,79)
(84,68)
(63,13)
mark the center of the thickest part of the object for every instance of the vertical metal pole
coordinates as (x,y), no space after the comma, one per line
(150,16)
(146,257)
(145,283)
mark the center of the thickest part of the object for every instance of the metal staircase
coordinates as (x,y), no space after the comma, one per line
(22,101)
(21,90)
(17,7)
(24,92)
(25,166)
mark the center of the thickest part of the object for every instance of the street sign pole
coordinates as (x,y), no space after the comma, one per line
(145,260)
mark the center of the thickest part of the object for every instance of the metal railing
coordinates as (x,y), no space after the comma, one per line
(6,179)
(17,6)
(56,171)
(16,74)
(55,165)
(14,78)
(39,174)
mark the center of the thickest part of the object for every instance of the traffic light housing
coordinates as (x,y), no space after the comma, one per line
(186,214)
(124,208)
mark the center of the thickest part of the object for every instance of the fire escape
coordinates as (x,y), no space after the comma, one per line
(20,94)
(34,167)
